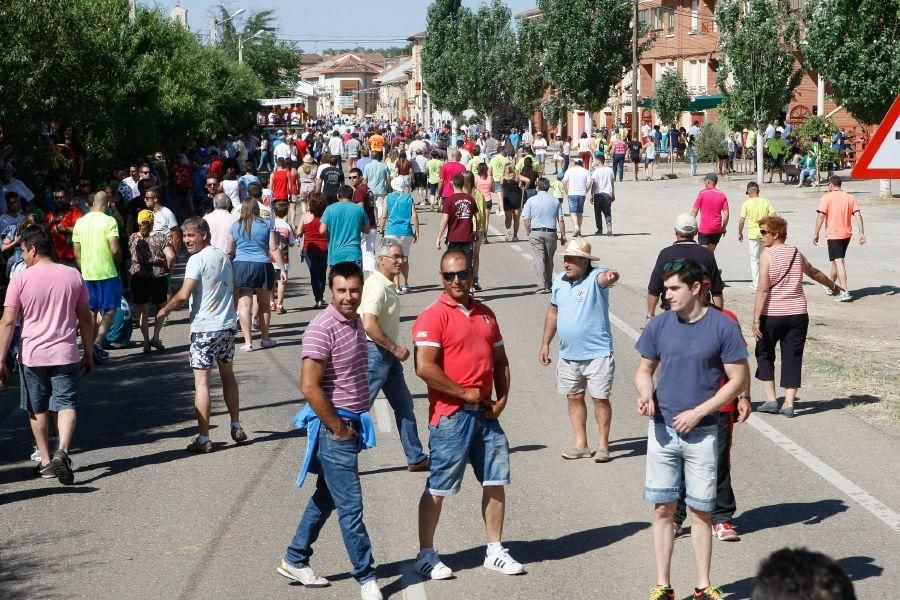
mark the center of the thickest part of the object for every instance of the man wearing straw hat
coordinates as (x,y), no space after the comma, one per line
(579,312)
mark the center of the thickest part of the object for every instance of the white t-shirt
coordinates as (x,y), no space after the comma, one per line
(232,189)
(584,144)
(579,179)
(540,146)
(212,303)
(602,178)
(220,222)
(164,220)
(420,164)
(283,150)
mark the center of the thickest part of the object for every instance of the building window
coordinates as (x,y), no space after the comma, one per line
(670,21)
(662,68)
(642,15)
(656,16)
(695,15)
(695,72)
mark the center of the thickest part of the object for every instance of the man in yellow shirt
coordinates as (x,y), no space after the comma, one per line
(752,211)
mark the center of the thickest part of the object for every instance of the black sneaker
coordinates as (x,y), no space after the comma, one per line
(45,471)
(63,467)
(238,434)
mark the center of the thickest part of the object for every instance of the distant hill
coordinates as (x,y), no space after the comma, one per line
(392,52)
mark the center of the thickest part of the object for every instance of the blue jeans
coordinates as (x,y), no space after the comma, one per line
(618,165)
(811,173)
(317,261)
(336,488)
(385,372)
(264,160)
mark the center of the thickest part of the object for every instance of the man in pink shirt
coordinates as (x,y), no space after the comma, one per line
(53,301)
(712,205)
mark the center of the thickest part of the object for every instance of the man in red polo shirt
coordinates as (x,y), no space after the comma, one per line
(460,356)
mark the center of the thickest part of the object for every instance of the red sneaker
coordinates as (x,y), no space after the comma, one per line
(726,532)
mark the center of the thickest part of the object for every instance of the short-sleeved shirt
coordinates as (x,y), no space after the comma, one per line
(340,344)
(47,296)
(380,298)
(544,210)
(280,184)
(345,221)
(838,207)
(92,233)
(332,179)
(164,219)
(212,302)
(579,180)
(602,178)
(582,321)
(461,210)
(399,208)
(711,202)
(448,170)
(377,174)
(681,250)
(252,247)
(498,164)
(466,339)
(376,143)
(692,359)
(363,196)
(147,256)
(63,242)
(220,222)
(434,170)
(753,211)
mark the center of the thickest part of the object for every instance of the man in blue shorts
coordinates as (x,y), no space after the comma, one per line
(693,348)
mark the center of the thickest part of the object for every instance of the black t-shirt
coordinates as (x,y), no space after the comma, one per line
(680,250)
(635,147)
(332,179)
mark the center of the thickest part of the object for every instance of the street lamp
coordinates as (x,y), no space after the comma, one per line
(213,22)
(242,41)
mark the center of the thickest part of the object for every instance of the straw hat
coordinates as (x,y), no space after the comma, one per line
(578,247)
(308,158)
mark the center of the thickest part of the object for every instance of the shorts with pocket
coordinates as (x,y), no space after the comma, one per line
(837,248)
(675,459)
(253,275)
(576,204)
(149,290)
(594,376)
(709,238)
(464,437)
(105,294)
(53,388)
(209,348)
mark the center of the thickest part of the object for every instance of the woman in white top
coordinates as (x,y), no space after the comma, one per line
(232,187)
(539,145)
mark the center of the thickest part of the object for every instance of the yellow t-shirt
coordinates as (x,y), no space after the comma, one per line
(474,162)
(92,233)
(558,189)
(479,223)
(498,164)
(752,211)
(434,170)
(379,298)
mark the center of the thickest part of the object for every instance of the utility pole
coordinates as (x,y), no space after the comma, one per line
(635,75)
(132,11)
(212,31)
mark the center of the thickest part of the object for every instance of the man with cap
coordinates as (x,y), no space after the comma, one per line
(543,218)
(753,210)
(712,205)
(579,312)
(684,247)
(577,182)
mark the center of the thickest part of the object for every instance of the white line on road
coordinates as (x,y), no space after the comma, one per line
(382,415)
(817,466)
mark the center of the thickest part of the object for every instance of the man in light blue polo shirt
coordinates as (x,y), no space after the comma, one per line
(579,311)
(376,175)
(543,220)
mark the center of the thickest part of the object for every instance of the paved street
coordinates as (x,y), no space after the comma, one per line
(146,519)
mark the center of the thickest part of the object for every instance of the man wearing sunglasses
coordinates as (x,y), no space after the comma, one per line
(691,348)
(460,356)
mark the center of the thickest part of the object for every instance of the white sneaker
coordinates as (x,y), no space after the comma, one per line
(36,455)
(504,563)
(828,290)
(370,590)
(304,575)
(844,297)
(508,235)
(430,565)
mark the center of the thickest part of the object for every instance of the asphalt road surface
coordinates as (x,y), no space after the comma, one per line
(146,519)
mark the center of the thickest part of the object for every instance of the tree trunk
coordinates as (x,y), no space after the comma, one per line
(489,122)
(454,127)
(588,123)
(760,170)
(884,189)
(529,125)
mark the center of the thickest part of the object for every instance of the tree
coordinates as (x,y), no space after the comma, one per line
(493,52)
(670,99)
(587,47)
(447,65)
(758,42)
(526,75)
(853,44)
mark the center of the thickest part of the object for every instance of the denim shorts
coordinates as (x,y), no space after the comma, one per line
(211,348)
(669,454)
(105,294)
(466,436)
(49,388)
(576,204)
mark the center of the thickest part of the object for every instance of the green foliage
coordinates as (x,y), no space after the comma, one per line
(709,142)
(853,43)
(758,41)
(587,47)
(127,89)
(815,126)
(671,97)
(447,63)
(527,79)
(276,62)
(493,52)
(554,108)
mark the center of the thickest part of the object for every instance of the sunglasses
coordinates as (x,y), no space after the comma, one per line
(451,275)
(763,232)
(673,266)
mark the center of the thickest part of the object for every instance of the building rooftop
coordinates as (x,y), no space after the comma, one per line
(347,62)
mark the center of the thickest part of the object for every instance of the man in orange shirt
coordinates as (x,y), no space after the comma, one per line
(376,142)
(836,212)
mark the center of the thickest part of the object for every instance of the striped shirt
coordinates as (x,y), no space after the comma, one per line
(341,345)
(786,297)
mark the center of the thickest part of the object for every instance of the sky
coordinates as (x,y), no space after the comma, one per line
(318,24)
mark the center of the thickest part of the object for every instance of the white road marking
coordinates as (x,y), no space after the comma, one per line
(383,415)
(817,466)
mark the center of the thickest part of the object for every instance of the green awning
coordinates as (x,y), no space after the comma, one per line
(698,103)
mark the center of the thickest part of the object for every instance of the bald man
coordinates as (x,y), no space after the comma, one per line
(95,239)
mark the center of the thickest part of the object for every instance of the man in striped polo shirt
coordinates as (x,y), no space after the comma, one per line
(333,380)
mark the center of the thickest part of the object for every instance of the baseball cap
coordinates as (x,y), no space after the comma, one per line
(711,177)
(686,224)
(144,216)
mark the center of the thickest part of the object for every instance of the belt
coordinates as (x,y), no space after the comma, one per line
(473,407)
(543,229)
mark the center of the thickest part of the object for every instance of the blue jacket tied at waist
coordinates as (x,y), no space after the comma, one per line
(307,419)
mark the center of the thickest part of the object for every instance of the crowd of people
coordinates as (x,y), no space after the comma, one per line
(345,195)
